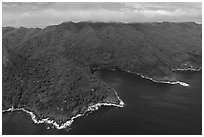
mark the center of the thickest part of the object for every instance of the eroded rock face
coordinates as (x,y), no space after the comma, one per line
(50,70)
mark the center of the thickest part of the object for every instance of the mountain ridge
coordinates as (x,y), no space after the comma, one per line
(60,60)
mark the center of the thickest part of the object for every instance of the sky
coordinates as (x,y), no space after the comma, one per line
(45,13)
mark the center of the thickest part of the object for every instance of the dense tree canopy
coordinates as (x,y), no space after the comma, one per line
(50,70)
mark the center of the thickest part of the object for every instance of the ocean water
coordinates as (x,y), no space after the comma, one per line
(150,108)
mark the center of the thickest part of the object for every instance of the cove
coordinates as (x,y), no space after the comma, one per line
(150,108)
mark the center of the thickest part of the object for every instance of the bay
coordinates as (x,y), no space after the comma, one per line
(150,108)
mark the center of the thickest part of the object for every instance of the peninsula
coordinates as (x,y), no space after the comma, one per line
(49,72)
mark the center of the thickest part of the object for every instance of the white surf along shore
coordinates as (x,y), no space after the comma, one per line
(167,82)
(69,122)
(187,69)
(157,81)
(97,105)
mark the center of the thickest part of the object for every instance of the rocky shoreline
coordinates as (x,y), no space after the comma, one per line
(157,81)
(187,69)
(160,81)
(68,122)
(97,105)
(168,82)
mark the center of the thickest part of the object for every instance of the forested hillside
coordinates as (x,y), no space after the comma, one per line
(50,70)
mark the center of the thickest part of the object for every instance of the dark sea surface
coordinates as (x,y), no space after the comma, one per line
(150,108)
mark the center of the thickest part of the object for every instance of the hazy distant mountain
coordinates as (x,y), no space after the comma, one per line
(49,69)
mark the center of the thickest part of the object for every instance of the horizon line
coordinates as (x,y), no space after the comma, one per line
(119,22)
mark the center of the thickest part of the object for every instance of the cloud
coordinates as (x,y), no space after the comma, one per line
(43,14)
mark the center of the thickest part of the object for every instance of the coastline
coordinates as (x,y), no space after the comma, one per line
(187,69)
(97,105)
(68,122)
(157,81)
